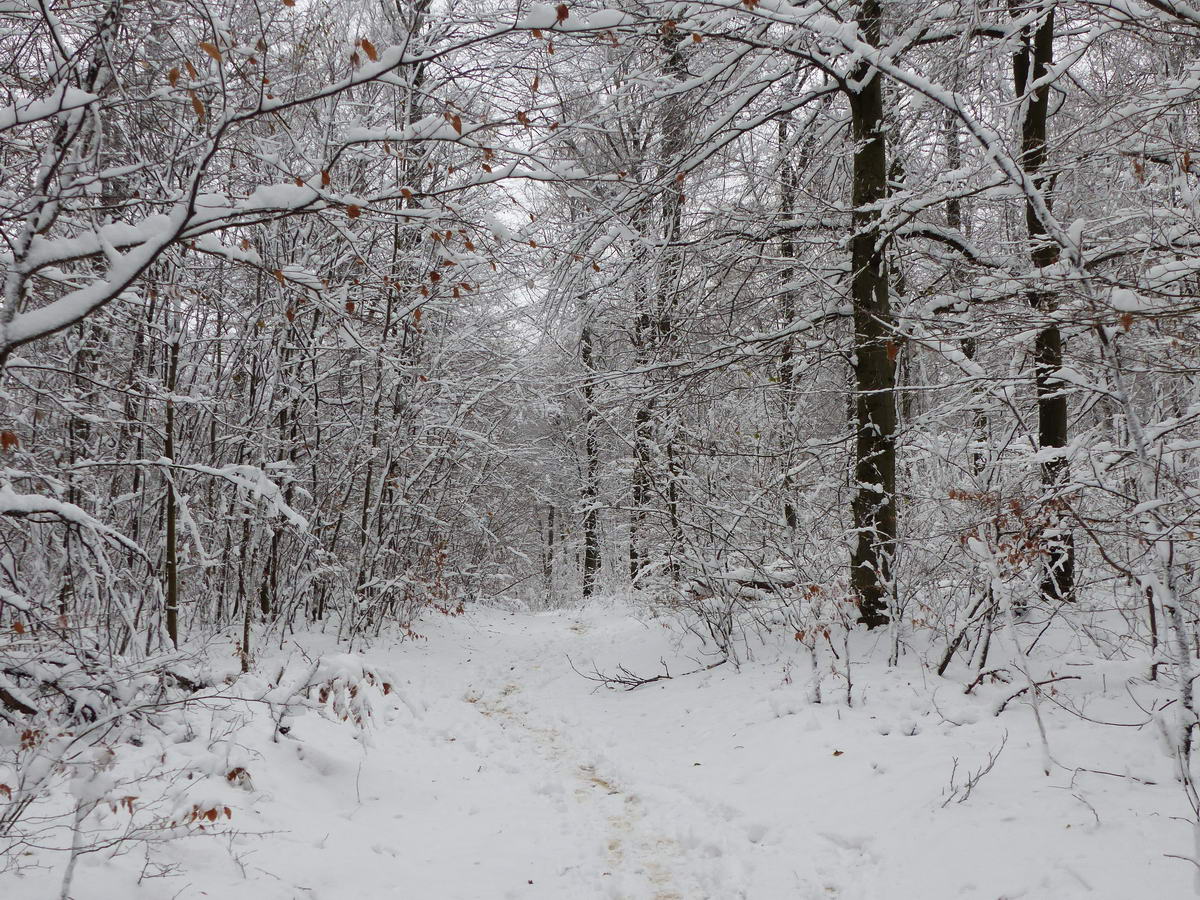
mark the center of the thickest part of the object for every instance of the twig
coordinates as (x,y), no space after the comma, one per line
(630,680)
(961,793)
(1115,775)
(1035,684)
(999,674)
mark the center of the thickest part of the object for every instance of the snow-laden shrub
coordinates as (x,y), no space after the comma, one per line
(112,753)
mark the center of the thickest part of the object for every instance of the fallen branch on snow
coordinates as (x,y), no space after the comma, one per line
(1036,684)
(629,680)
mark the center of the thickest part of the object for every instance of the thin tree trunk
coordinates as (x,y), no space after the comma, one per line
(548,556)
(1030,65)
(787,312)
(591,538)
(670,271)
(172,558)
(642,435)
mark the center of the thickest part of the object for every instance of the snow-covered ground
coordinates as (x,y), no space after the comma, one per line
(495,771)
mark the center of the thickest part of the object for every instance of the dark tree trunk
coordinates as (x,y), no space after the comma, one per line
(1030,65)
(591,537)
(640,487)
(787,312)
(873,506)
(172,558)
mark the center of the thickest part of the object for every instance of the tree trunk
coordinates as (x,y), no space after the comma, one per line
(548,553)
(172,558)
(1030,65)
(787,313)
(954,221)
(591,538)
(873,506)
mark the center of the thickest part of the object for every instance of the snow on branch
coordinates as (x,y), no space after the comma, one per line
(35,505)
(256,482)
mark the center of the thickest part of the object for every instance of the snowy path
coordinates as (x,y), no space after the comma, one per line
(520,780)
(600,809)
(730,785)
(643,857)
(500,774)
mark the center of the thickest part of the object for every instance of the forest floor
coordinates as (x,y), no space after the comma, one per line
(496,771)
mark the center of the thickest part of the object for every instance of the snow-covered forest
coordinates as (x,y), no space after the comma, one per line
(458,449)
